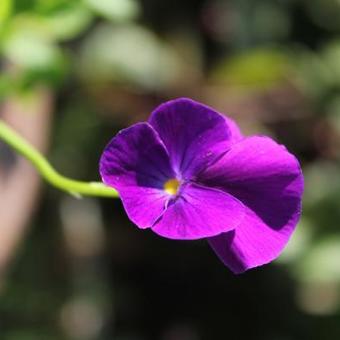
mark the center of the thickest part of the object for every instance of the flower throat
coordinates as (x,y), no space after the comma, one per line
(171,186)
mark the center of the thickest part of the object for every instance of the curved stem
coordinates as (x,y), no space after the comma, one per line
(76,188)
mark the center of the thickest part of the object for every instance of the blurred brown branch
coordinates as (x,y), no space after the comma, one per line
(19,182)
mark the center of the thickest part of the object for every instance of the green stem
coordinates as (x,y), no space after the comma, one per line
(76,188)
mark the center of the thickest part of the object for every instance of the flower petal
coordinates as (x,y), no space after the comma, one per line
(193,134)
(268,180)
(253,243)
(199,212)
(143,205)
(135,157)
(136,163)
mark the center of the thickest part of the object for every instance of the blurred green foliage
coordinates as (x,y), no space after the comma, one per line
(257,69)
(34,36)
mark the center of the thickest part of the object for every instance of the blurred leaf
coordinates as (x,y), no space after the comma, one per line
(53,76)
(257,68)
(333,111)
(68,22)
(115,9)
(129,54)
(28,23)
(7,85)
(62,24)
(322,197)
(313,75)
(321,181)
(30,44)
(321,263)
(49,6)
(5,10)
(299,243)
(331,57)
(31,51)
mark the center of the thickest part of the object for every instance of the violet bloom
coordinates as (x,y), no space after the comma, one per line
(188,173)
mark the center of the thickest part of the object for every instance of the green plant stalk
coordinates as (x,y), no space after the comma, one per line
(73,187)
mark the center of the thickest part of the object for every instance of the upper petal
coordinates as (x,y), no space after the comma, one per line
(136,163)
(193,134)
(199,212)
(268,180)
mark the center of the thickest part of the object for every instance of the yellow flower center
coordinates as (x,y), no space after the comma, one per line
(171,186)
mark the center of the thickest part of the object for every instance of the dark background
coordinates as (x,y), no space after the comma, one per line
(73,73)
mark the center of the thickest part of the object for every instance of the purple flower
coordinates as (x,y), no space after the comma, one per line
(188,173)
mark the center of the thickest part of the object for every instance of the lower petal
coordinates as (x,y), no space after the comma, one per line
(144,205)
(199,212)
(253,243)
(268,180)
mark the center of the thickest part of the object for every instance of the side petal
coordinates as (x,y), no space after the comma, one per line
(193,134)
(268,180)
(199,212)
(136,163)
